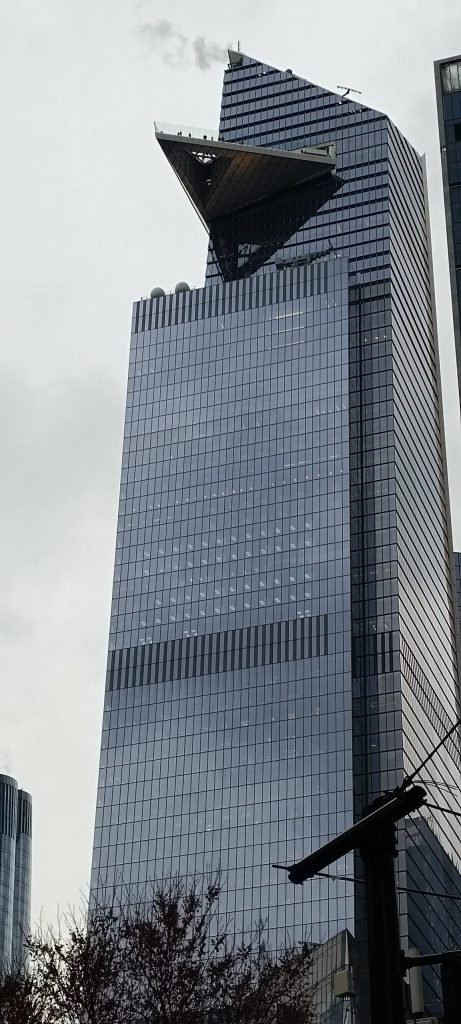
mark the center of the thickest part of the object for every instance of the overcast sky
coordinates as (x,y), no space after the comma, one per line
(91,218)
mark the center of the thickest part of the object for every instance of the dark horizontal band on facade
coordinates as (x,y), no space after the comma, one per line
(228,651)
(264,290)
(373,654)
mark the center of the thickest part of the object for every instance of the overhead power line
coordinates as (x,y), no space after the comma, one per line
(441,785)
(428,892)
(409,778)
(400,888)
(446,810)
(338,878)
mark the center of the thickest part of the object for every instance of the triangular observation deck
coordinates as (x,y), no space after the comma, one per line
(222,177)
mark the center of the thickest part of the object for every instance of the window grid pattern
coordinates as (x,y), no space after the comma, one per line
(448,90)
(387,682)
(8,819)
(377,217)
(15,871)
(242,524)
(22,877)
(457,557)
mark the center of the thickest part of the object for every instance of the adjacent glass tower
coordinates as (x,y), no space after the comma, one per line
(448,92)
(282,644)
(458,577)
(15,870)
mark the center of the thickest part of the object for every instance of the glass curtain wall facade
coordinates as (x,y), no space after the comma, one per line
(458,576)
(15,870)
(282,644)
(448,93)
(22,876)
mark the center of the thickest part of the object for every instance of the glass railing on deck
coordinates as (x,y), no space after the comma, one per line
(162,128)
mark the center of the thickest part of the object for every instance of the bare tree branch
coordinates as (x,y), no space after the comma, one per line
(170,959)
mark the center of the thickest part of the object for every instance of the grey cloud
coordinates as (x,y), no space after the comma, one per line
(207,53)
(5,762)
(177,50)
(13,625)
(172,44)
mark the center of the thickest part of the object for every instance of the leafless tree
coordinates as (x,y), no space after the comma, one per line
(170,959)
(80,969)
(20,1000)
(188,967)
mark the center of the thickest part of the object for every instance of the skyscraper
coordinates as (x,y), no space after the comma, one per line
(15,870)
(458,578)
(282,644)
(448,92)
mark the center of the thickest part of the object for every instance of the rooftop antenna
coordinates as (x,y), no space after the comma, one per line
(347,90)
(238,45)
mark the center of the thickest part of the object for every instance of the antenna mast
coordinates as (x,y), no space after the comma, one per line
(347,90)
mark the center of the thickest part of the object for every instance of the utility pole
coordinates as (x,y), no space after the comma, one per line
(375,837)
(450,963)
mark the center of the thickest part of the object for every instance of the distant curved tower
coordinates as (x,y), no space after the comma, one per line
(8,824)
(15,870)
(22,876)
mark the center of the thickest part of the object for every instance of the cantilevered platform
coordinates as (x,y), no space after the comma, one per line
(221,177)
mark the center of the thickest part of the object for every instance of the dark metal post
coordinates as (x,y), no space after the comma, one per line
(384,957)
(450,961)
(450,972)
(375,837)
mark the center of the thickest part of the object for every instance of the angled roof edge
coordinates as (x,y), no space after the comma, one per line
(243,59)
(235,58)
(442,60)
(221,177)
